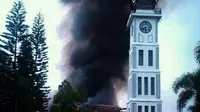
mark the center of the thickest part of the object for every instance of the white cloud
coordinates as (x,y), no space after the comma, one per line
(178,35)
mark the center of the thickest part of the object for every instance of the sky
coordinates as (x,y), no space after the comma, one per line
(178,35)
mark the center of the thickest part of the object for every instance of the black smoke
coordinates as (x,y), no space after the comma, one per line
(102,23)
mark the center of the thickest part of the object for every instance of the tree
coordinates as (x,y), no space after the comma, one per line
(41,62)
(25,77)
(66,98)
(187,86)
(16,30)
(197,52)
(10,41)
(5,71)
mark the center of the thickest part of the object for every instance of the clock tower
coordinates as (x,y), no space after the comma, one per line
(144,74)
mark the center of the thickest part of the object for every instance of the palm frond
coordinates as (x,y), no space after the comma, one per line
(191,108)
(183,98)
(196,81)
(197,53)
(183,82)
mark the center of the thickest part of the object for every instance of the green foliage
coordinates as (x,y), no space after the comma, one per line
(25,76)
(187,86)
(16,32)
(41,61)
(23,64)
(197,53)
(16,28)
(5,71)
(65,99)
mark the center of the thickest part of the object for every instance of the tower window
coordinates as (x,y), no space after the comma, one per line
(150,58)
(146,109)
(145,85)
(139,108)
(153,109)
(152,86)
(139,85)
(141,57)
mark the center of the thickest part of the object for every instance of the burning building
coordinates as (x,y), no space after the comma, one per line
(101,108)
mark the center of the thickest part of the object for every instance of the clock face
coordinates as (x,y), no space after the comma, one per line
(145,27)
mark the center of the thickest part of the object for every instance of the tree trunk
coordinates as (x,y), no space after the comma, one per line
(16,106)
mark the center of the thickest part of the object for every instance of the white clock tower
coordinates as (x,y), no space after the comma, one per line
(144,74)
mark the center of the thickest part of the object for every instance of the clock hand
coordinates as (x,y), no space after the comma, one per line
(143,28)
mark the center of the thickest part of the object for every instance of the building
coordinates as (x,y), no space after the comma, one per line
(144,74)
(102,108)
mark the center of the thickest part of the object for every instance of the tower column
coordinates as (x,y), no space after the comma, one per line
(144,74)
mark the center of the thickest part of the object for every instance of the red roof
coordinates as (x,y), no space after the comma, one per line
(108,107)
(104,107)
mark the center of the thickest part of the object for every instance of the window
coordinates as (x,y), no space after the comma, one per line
(141,38)
(152,86)
(141,56)
(133,55)
(145,85)
(139,108)
(150,38)
(150,58)
(146,109)
(152,108)
(139,85)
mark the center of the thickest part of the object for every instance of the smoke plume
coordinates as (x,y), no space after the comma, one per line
(96,48)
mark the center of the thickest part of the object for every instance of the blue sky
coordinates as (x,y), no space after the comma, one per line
(178,35)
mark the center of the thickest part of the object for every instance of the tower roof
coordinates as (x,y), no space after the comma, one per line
(144,4)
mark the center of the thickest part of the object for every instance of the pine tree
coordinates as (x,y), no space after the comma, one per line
(25,76)
(16,32)
(5,71)
(41,61)
(16,29)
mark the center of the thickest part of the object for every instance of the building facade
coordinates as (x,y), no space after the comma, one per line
(144,74)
